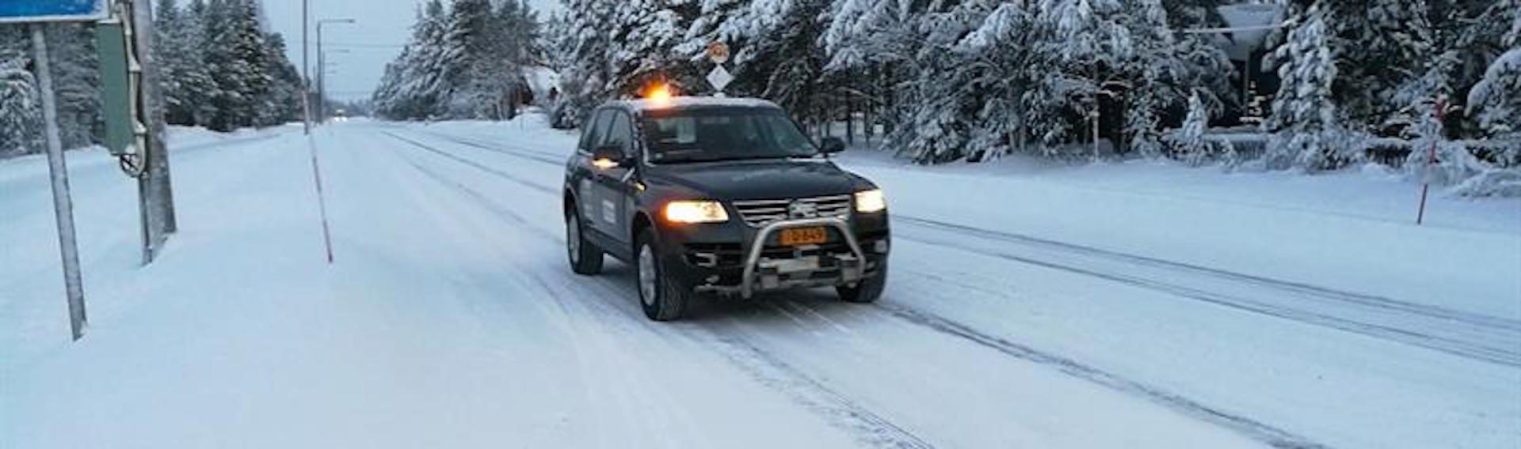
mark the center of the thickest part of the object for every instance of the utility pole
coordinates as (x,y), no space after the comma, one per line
(306,70)
(157,196)
(322,68)
(322,111)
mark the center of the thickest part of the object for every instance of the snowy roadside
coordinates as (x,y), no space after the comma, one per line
(105,207)
(1349,231)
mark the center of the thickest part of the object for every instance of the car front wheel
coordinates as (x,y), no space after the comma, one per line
(663,297)
(866,291)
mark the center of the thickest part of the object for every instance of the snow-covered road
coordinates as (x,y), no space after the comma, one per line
(1021,313)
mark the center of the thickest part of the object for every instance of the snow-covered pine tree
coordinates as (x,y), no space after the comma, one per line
(1305,124)
(18,102)
(517,47)
(646,33)
(1496,99)
(416,89)
(615,48)
(1381,46)
(76,83)
(933,113)
(779,57)
(236,57)
(197,84)
(1084,46)
(1149,75)
(1188,143)
(180,43)
(734,22)
(997,64)
(585,41)
(470,90)
(282,104)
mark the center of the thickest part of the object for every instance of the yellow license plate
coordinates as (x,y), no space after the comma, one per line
(804,236)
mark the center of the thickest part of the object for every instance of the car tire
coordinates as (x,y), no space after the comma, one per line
(660,294)
(585,257)
(868,290)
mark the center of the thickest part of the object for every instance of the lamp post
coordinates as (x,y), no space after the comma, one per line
(306,69)
(322,73)
(322,95)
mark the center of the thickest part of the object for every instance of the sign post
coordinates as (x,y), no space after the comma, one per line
(37,13)
(63,206)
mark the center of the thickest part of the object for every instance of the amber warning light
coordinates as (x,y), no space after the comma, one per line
(659,94)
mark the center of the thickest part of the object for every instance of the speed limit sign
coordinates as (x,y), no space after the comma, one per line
(718,52)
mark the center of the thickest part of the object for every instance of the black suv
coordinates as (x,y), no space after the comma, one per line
(720,195)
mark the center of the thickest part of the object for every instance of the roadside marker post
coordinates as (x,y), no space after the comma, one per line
(1431,159)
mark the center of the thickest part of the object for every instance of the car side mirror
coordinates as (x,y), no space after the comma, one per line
(832,145)
(609,156)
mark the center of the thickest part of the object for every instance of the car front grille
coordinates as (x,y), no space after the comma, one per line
(760,212)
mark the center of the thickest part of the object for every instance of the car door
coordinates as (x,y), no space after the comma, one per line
(613,183)
(586,173)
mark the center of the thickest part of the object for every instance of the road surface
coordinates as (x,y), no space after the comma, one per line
(450,319)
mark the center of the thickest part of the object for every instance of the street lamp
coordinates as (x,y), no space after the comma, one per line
(321,64)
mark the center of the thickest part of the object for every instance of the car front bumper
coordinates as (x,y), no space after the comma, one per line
(740,260)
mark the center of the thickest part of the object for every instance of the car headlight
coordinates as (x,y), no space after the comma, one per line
(869,201)
(695,212)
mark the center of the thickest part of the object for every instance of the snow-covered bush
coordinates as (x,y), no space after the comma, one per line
(1491,182)
(1473,168)
(1189,144)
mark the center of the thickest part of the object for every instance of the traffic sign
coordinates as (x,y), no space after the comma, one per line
(720,78)
(13,11)
(718,52)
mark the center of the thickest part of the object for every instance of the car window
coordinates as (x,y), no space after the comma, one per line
(596,128)
(720,134)
(620,133)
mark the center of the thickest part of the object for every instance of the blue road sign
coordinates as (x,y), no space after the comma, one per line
(52,10)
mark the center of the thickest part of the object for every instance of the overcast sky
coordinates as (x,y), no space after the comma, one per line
(383,26)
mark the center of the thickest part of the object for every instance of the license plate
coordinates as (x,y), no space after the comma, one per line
(804,236)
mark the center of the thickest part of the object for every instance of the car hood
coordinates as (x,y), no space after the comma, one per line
(760,179)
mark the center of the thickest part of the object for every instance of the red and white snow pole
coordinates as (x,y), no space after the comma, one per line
(1431,158)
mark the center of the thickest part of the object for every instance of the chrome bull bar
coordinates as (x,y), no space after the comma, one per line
(752,257)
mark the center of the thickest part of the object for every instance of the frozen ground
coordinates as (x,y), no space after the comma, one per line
(1120,305)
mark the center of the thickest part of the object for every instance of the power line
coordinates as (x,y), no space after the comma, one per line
(362,45)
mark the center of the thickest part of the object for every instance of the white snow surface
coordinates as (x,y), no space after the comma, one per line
(1030,305)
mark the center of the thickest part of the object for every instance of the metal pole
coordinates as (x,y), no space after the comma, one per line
(154,186)
(306,92)
(1431,158)
(321,106)
(321,77)
(63,207)
(1246,83)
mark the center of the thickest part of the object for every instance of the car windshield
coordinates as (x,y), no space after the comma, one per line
(697,135)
